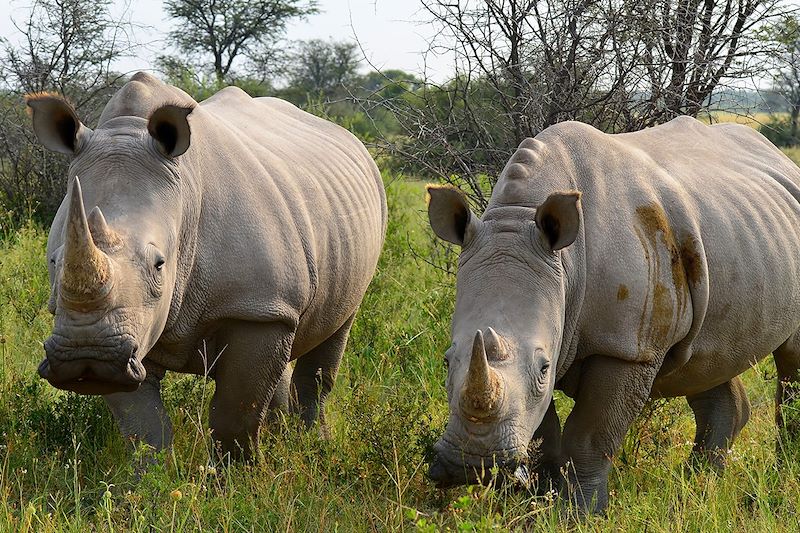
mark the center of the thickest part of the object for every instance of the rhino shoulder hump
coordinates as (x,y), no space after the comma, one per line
(142,95)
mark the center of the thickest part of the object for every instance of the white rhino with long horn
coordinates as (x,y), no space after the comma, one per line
(617,268)
(225,238)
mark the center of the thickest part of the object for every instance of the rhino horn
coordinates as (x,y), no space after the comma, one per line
(87,270)
(482,388)
(495,347)
(102,234)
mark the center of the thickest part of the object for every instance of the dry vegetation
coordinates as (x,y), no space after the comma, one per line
(754,120)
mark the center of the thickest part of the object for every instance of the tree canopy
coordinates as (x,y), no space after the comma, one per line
(219,32)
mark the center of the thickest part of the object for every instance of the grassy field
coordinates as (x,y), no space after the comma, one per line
(64,468)
(754,120)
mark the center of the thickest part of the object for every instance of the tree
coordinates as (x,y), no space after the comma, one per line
(323,68)
(523,65)
(228,30)
(520,66)
(201,85)
(390,83)
(786,79)
(67,46)
(689,48)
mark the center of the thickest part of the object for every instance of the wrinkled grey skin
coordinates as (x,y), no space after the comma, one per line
(617,268)
(225,239)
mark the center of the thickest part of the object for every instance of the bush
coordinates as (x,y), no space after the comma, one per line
(30,415)
(32,179)
(779,131)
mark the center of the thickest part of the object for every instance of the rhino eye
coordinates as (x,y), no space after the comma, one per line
(541,379)
(159,264)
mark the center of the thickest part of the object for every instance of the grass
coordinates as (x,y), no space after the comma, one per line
(754,120)
(63,466)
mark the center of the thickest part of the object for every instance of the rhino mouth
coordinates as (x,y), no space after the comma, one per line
(451,467)
(93,376)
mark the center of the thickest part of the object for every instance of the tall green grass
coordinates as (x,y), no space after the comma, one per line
(64,468)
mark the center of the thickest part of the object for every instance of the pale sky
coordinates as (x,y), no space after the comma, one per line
(393,33)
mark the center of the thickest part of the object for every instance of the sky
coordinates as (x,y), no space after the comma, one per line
(391,33)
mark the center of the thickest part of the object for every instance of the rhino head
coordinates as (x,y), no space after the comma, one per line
(506,330)
(113,271)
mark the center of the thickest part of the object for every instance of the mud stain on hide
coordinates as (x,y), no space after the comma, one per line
(622,292)
(692,263)
(661,317)
(664,304)
(653,220)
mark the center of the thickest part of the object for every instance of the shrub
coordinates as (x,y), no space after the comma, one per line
(779,131)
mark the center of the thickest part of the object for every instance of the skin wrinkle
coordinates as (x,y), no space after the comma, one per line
(122,323)
(110,310)
(128,154)
(305,241)
(508,433)
(501,452)
(185,243)
(504,257)
(105,327)
(110,340)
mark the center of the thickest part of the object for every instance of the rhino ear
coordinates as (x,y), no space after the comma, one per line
(558,218)
(55,122)
(449,213)
(169,127)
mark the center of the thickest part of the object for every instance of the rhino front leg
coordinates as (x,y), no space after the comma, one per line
(720,414)
(314,375)
(140,414)
(610,396)
(247,376)
(546,444)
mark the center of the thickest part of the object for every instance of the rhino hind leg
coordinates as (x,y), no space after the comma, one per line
(720,414)
(314,375)
(280,398)
(787,396)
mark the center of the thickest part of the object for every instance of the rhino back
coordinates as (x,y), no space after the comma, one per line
(690,243)
(293,215)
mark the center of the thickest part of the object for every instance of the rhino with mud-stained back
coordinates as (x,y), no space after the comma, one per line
(225,238)
(617,268)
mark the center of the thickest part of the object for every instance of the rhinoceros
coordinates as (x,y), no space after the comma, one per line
(225,239)
(617,268)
